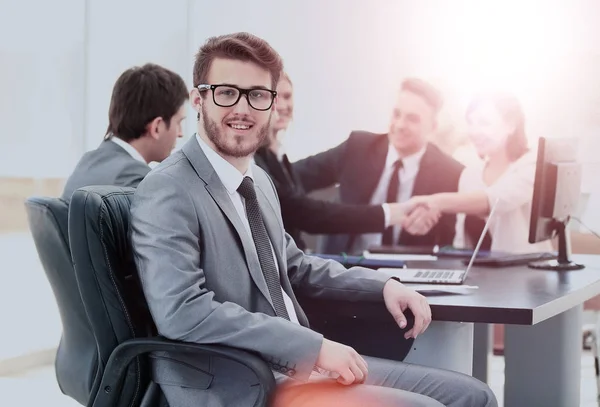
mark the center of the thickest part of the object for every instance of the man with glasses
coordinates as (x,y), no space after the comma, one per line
(217,267)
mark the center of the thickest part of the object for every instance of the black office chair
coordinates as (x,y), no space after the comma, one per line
(116,307)
(76,358)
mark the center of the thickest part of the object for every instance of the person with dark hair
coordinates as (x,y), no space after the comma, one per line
(302,213)
(145,118)
(496,126)
(391,167)
(217,267)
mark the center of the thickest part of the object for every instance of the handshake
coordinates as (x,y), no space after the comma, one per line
(416,216)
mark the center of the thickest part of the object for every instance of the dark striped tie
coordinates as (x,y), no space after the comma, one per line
(263,246)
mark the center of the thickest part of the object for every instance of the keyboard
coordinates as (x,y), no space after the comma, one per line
(434,273)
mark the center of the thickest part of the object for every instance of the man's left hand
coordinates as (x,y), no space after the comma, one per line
(398,298)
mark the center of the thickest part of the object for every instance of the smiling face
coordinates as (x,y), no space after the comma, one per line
(487,129)
(412,122)
(239,130)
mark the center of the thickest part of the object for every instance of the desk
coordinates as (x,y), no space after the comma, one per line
(542,311)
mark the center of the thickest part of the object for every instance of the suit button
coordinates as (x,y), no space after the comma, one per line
(291,372)
(284,369)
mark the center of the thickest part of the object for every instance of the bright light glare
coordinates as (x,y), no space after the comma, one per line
(515,46)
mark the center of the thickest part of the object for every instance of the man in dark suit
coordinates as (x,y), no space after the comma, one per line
(145,114)
(376,168)
(302,213)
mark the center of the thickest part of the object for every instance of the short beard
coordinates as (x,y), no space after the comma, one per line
(238,151)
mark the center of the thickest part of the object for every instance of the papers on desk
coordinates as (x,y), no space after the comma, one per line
(442,288)
(400,257)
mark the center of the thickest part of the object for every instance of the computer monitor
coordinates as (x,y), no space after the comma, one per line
(556,195)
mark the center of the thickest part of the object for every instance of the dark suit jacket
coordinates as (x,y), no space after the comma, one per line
(109,164)
(357,165)
(304,214)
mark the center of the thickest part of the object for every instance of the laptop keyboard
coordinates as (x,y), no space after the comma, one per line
(437,274)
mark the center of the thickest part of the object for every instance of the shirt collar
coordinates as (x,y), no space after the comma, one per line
(227,173)
(409,161)
(129,148)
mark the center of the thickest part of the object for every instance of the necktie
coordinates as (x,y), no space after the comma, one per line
(392,196)
(263,246)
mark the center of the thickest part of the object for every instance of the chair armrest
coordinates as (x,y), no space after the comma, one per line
(124,354)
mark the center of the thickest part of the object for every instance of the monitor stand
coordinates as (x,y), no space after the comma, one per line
(563,263)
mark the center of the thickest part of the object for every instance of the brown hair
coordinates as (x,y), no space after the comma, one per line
(426,91)
(140,95)
(511,111)
(240,46)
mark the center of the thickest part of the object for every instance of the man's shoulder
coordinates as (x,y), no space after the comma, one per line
(365,137)
(174,169)
(442,159)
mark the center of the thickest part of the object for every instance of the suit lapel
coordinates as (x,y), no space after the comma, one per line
(219,193)
(274,228)
(291,174)
(423,180)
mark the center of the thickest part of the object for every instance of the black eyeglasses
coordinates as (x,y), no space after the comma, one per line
(229,95)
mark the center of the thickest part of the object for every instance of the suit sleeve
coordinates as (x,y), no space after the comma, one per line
(322,278)
(166,241)
(316,216)
(321,170)
(132,174)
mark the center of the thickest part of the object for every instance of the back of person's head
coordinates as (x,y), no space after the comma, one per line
(511,111)
(140,95)
(239,46)
(429,93)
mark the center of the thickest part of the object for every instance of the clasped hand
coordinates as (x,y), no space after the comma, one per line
(417,215)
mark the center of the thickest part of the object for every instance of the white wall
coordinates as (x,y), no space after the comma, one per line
(122,34)
(41,82)
(346,59)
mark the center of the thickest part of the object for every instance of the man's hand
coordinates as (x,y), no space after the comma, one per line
(423,216)
(399,211)
(398,298)
(343,360)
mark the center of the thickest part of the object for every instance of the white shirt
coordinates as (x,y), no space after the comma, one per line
(232,179)
(407,174)
(591,217)
(509,228)
(129,148)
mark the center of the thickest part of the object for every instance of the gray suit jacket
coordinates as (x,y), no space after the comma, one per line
(109,164)
(202,279)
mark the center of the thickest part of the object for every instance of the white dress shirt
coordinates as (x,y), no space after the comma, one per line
(129,148)
(232,179)
(407,174)
(513,190)
(591,216)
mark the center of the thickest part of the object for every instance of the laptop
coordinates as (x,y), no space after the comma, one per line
(441,276)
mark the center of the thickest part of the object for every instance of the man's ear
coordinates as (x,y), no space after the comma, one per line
(154,127)
(196,100)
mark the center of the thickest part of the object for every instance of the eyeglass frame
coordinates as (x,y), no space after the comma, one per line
(242,91)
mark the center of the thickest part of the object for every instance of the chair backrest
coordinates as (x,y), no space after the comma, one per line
(108,280)
(77,358)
